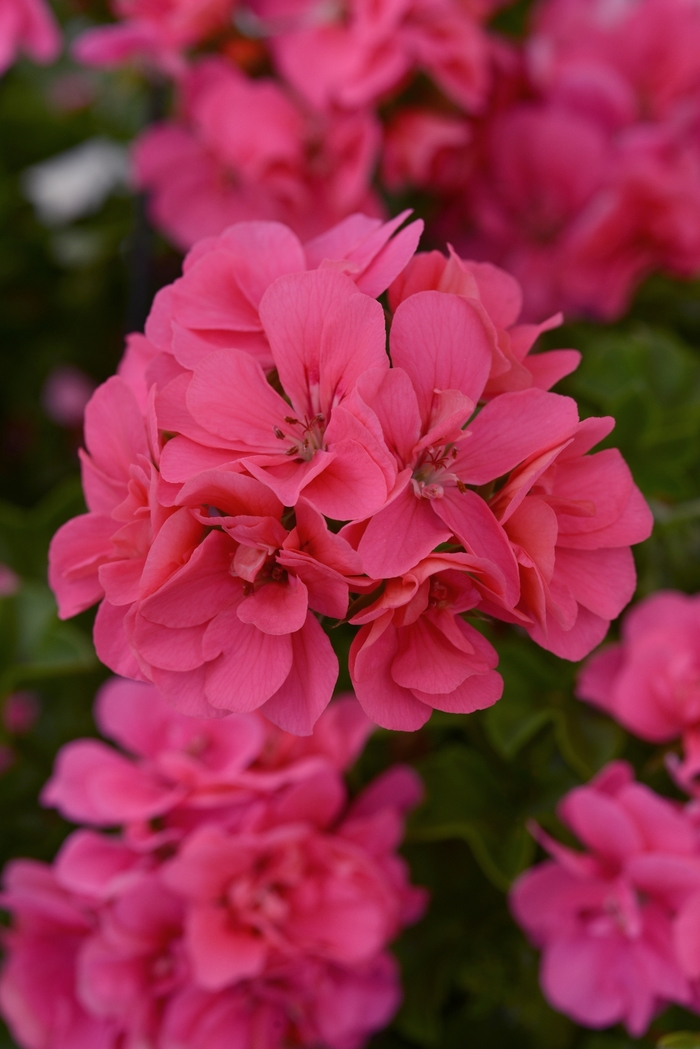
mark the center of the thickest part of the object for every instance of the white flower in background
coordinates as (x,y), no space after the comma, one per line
(77,182)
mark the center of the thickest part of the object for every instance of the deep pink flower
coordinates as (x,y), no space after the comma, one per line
(28,26)
(175,761)
(128,940)
(365,52)
(153,31)
(425,150)
(605,918)
(586,171)
(245,149)
(650,680)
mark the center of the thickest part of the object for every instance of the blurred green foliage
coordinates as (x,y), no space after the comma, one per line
(470,976)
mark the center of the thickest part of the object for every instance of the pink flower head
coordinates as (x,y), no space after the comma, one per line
(425,150)
(570,518)
(184,763)
(153,31)
(245,149)
(20,711)
(604,919)
(260,923)
(650,680)
(359,55)
(28,26)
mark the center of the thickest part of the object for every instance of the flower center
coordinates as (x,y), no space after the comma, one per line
(305,437)
(432,473)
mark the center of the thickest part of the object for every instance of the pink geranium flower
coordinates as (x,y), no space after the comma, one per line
(28,26)
(257,911)
(275,160)
(414,654)
(174,761)
(650,680)
(605,918)
(156,32)
(362,54)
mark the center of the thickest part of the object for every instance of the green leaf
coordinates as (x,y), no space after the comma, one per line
(587,740)
(680,1040)
(465,800)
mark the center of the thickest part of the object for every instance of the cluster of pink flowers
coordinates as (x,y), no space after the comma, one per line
(586,170)
(243,902)
(619,924)
(28,27)
(260,458)
(300,146)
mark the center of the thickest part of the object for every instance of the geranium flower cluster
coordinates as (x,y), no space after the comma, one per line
(261,461)
(277,116)
(243,902)
(619,924)
(650,680)
(586,171)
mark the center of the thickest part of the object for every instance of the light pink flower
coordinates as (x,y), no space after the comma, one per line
(650,680)
(498,299)
(28,26)
(245,149)
(415,654)
(604,919)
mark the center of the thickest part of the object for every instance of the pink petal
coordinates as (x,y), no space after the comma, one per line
(76,551)
(400,535)
(353,340)
(230,396)
(441,342)
(276,608)
(511,428)
(294,311)
(601,580)
(263,251)
(468,516)
(477,692)
(252,667)
(111,643)
(306,692)
(385,702)
(221,954)
(209,296)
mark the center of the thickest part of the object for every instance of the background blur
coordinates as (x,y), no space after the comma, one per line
(78,267)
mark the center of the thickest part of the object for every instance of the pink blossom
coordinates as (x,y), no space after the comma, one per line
(213,167)
(650,680)
(260,458)
(604,918)
(128,940)
(414,654)
(153,31)
(424,150)
(586,171)
(497,297)
(28,26)
(358,56)
(570,518)
(174,761)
